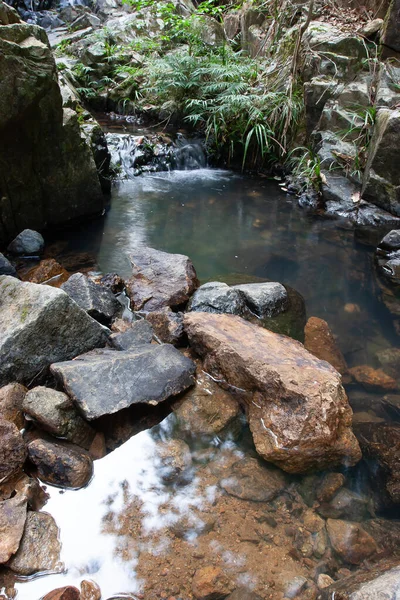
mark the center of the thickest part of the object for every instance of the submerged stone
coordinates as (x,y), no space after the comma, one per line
(105,381)
(319,341)
(40,325)
(350,541)
(297,409)
(249,480)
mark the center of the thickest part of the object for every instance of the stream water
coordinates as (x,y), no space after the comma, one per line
(133,531)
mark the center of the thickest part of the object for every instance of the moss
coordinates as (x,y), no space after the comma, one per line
(24,313)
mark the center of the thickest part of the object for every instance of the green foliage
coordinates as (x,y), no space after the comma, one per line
(305,166)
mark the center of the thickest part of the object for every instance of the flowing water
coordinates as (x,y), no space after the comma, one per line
(134,531)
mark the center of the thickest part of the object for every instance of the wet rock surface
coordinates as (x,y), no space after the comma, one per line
(47,271)
(160,279)
(40,548)
(350,541)
(217,297)
(105,381)
(320,341)
(98,301)
(376,583)
(264,299)
(250,481)
(55,413)
(11,399)
(40,325)
(12,449)
(168,326)
(64,593)
(373,379)
(61,464)
(12,523)
(278,395)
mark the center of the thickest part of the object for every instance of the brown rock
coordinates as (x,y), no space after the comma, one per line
(120,325)
(64,593)
(330,484)
(206,408)
(12,522)
(113,282)
(319,341)
(61,464)
(374,380)
(160,279)
(11,397)
(167,325)
(210,583)
(350,541)
(249,480)
(90,590)
(297,408)
(47,271)
(40,548)
(381,443)
(12,450)
(98,447)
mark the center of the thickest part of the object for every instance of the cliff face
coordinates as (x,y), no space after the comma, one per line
(48,174)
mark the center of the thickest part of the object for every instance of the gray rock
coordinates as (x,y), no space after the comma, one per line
(40,547)
(390,31)
(329,150)
(264,299)
(61,464)
(40,325)
(6,268)
(381,183)
(56,414)
(160,279)
(27,243)
(249,480)
(96,300)
(85,20)
(217,297)
(388,91)
(390,360)
(391,404)
(376,583)
(12,522)
(141,332)
(12,450)
(316,93)
(391,241)
(105,381)
(347,505)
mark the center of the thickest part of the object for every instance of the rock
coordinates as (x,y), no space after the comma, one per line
(61,464)
(249,480)
(380,444)
(160,279)
(371,28)
(391,404)
(330,484)
(346,505)
(168,326)
(175,460)
(243,594)
(391,241)
(48,174)
(6,268)
(295,587)
(381,184)
(40,325)
(40,547)
(96,300)
(113,282)
(323,581)
(85,20)
(147,373)
(264,299)
(89,590)
(319,341)
(350,541)
(205,409)
(390,32)
(65,593)
(27,243)
(390,361)
(210,583)
(299,417)
(141,332)
(12,522)
(11,398)
(55,413)
(47,271)
(374,380)
(378,582)
(387,92)
(8,15)
(12,450)
(217,297)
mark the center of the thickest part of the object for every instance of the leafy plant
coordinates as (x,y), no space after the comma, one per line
(305,167)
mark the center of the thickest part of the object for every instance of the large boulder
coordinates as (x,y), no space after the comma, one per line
(98,301)
(297,408)
(390,33)
(382,177)
(160,279)
(48,174)
(40,325)
(105,381)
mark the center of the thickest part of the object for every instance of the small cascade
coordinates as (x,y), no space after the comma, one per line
(133,155)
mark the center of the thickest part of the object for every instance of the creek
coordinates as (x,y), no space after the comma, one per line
(132,529)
